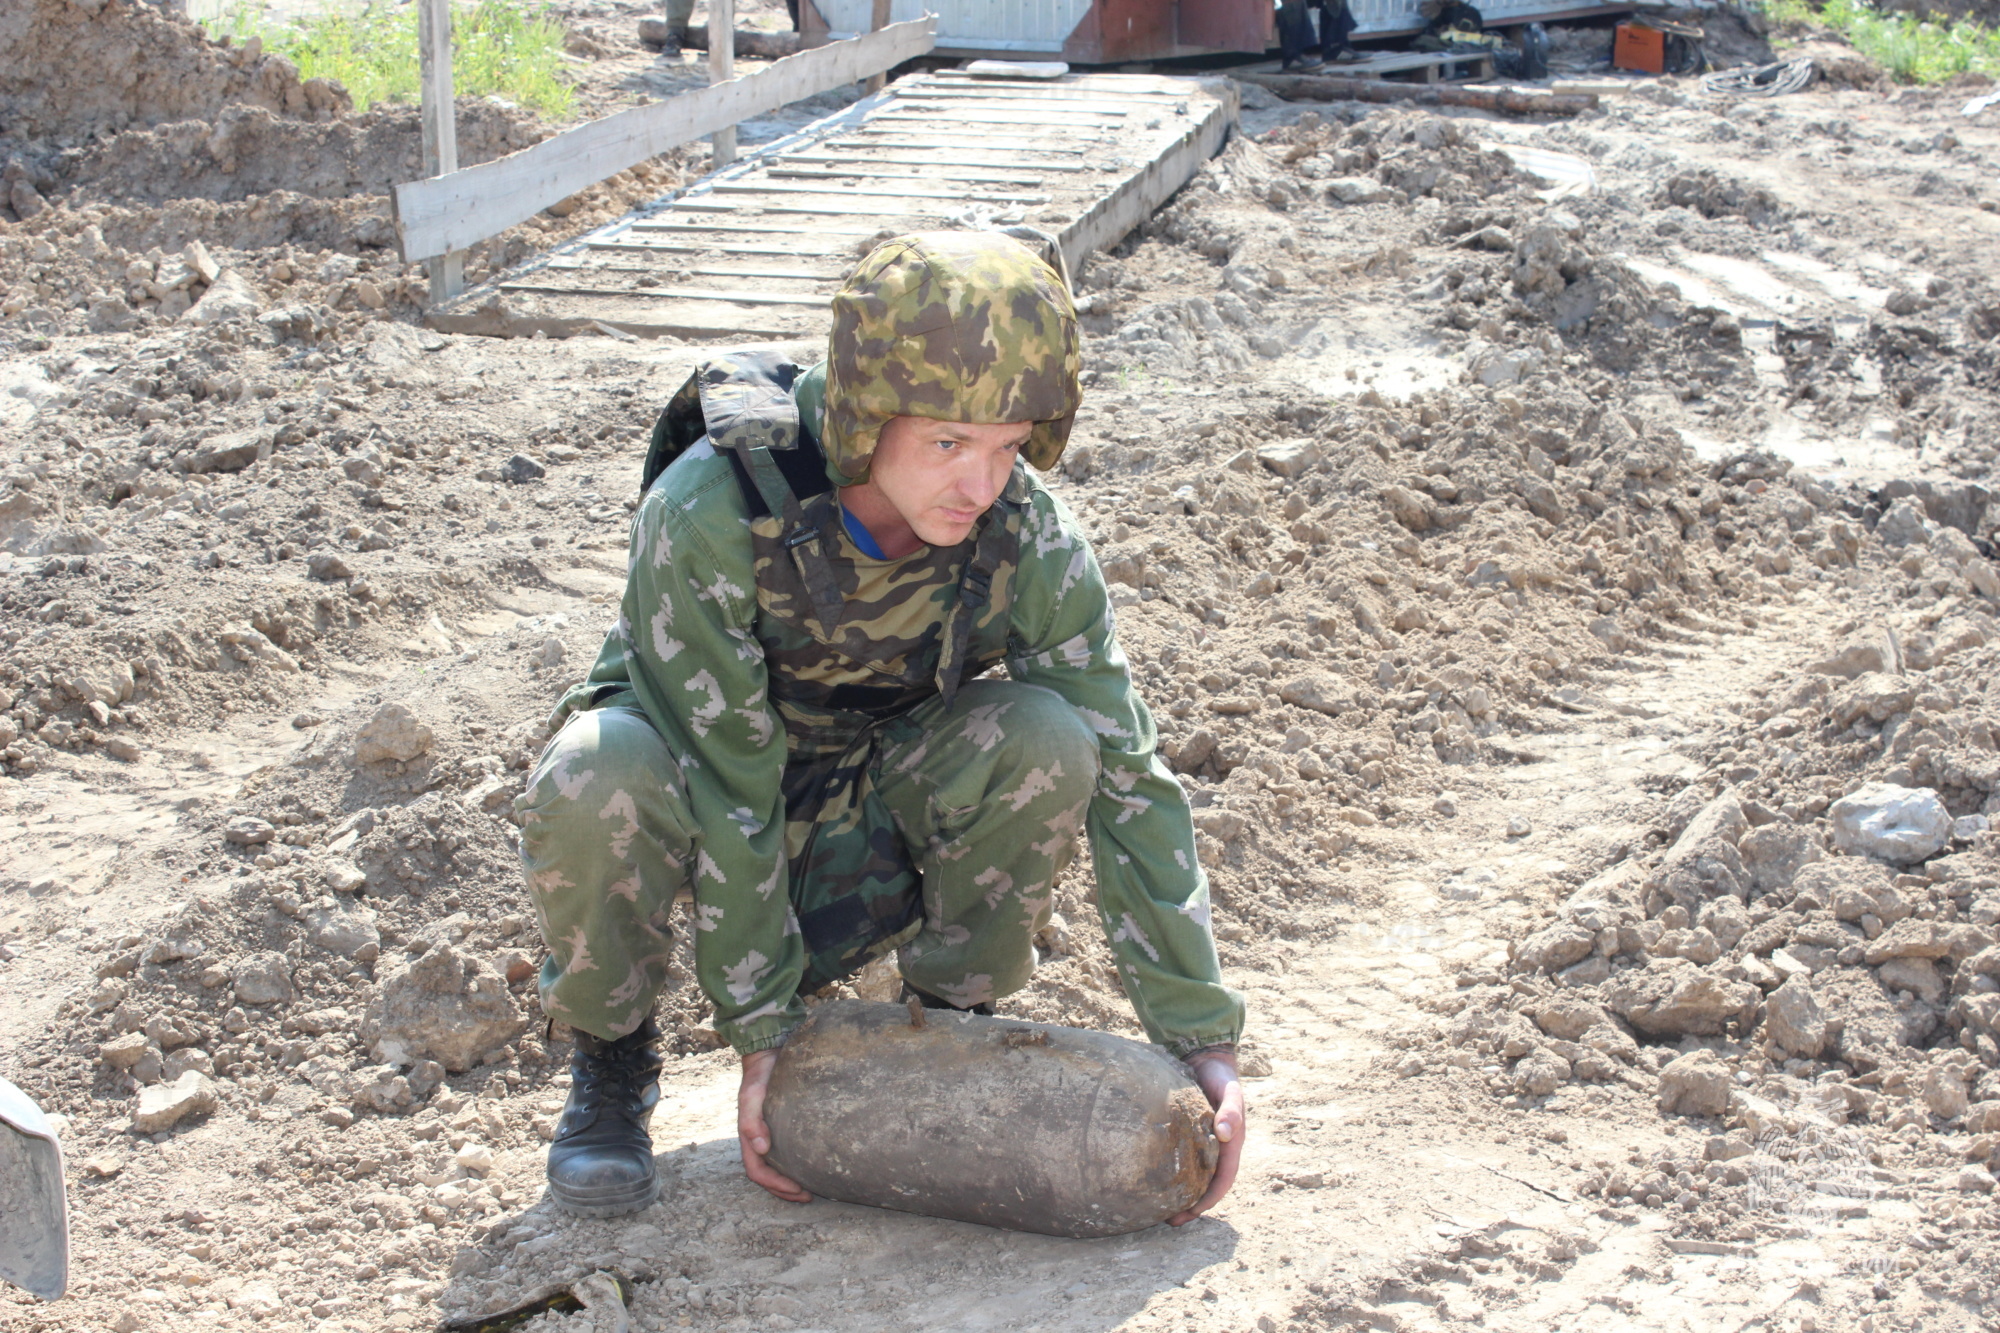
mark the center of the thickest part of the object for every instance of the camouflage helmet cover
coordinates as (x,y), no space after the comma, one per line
(955,326)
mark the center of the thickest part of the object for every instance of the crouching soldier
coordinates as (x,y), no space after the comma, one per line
(864,695)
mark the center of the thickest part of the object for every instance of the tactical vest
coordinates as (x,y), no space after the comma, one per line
(816,637)
(837,671)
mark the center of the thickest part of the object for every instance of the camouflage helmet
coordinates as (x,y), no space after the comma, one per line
(955,326)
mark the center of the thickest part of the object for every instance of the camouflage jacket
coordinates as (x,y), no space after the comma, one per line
(718,661)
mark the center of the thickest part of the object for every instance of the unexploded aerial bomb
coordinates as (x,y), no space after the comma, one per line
(1059,1130)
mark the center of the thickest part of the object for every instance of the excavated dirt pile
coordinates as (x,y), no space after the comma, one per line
(164,158)
(1809,932)
(73,69)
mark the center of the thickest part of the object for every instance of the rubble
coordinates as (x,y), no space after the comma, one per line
(263,979)
(1697,1083)
(443,1005)
(247,831)
(1891,822)
(1674,996)
(1794,1020)
(229,297)
(344,928)
(123,1051)
(165,1105)
(123,66)
(393,734)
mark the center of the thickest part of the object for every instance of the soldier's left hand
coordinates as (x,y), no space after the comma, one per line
(1215,1071)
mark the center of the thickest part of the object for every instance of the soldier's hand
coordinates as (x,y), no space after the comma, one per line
(1215,1071)
(754,1136)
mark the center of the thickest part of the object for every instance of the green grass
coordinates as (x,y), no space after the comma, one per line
(507,48)
(1912,50)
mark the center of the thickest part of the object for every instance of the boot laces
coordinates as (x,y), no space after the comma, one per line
(613,1079)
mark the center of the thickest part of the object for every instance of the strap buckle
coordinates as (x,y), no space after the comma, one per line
(976,587)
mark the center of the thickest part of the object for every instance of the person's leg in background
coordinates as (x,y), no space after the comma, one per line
(1336,25)
(1295,35)
(679,12)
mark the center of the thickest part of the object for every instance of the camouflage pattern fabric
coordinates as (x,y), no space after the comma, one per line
(796,705)
(839,636)
(607,833)
(955,326)
(946,842)
(847,644)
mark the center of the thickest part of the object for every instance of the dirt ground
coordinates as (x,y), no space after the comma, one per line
(1537,541)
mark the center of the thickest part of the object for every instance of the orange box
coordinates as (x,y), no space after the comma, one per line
(1640,47)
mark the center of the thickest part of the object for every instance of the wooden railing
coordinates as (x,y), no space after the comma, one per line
(437,218)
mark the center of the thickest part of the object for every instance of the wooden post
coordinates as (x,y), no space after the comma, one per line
(440,127)
(877,20)
(722,68)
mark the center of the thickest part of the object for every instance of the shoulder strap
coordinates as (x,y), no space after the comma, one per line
(998,543)
(747,408)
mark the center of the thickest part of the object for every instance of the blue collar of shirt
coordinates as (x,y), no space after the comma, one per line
(863,539)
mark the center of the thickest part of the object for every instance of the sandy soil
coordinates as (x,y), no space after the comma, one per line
(1524,569)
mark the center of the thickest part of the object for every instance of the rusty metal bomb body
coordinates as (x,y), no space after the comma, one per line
(1062,1131)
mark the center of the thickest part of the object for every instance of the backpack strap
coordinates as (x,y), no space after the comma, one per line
(749,415)
(997,544)
(975,592)
(808,542)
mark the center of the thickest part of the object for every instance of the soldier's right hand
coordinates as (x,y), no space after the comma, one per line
(754,1136)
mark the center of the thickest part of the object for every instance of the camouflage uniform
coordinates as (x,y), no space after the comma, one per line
(791,733)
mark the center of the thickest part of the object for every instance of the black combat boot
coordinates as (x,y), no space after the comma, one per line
(676,39)
(601,1163)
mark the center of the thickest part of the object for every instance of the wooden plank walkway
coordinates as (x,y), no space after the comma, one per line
(755,251)
(1426,66)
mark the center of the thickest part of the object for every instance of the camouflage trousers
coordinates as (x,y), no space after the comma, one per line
(938,835)
(679,12)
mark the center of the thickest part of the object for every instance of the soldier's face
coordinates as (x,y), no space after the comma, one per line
(940,476)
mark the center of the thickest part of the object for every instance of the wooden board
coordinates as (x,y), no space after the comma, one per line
(453,211)
(861,173)
(756,251)
(1425,66)
(847,161)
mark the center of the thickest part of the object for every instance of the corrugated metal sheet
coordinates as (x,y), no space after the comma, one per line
(975,25)
(1372,17)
